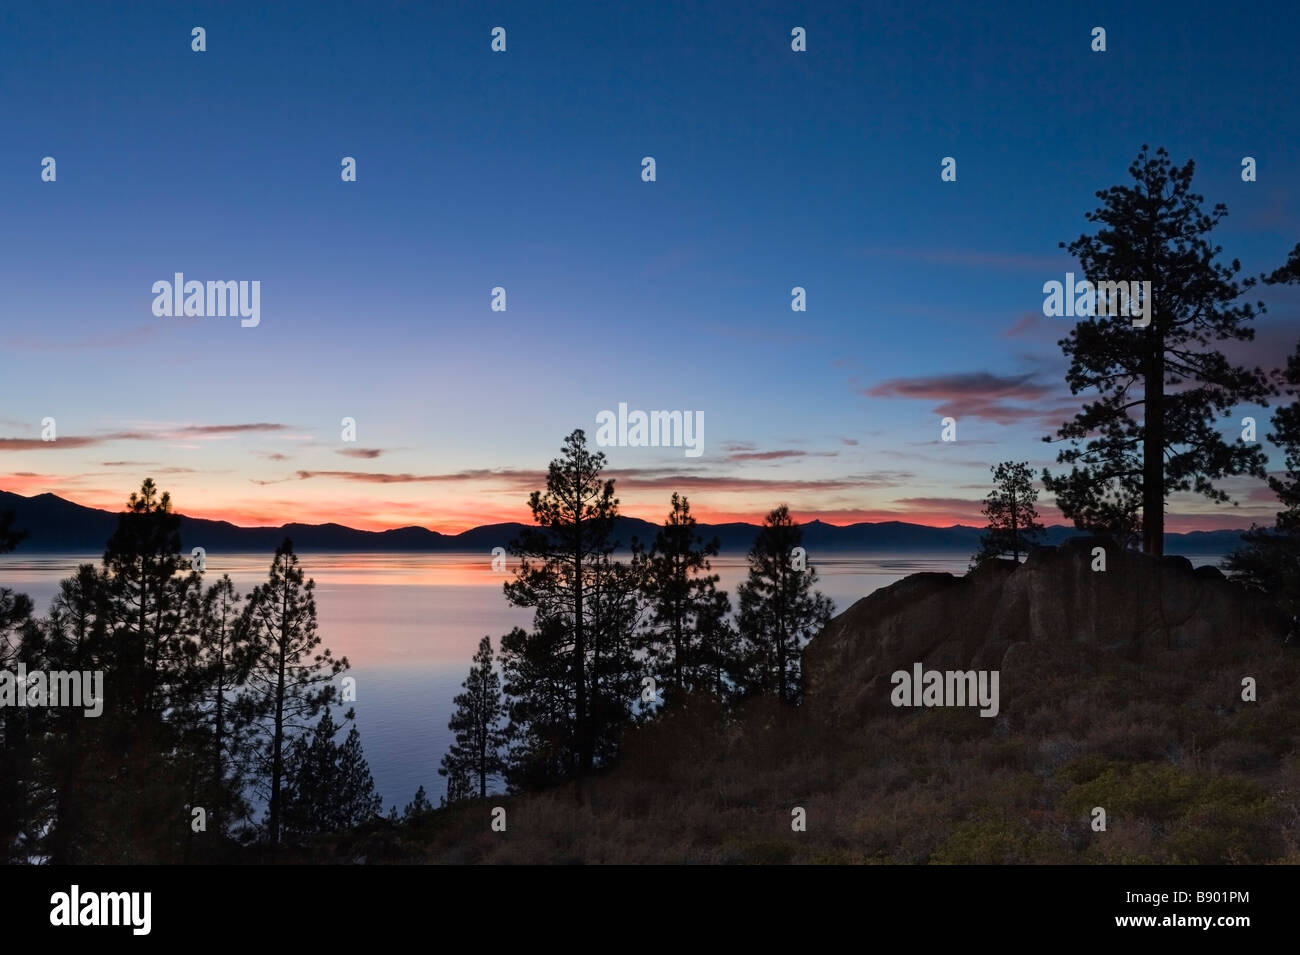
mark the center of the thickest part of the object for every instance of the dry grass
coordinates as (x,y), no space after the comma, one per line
(1186,771)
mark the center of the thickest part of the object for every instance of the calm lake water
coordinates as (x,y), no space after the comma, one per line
(409,624)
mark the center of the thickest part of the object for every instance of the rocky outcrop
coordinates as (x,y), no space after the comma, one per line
(1142,609)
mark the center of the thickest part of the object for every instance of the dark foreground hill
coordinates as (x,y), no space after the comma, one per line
(61,526)
(1120,691)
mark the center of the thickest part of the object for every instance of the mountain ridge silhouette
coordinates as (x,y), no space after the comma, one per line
(57,525)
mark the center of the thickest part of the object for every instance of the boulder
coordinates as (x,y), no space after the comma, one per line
(1140,608)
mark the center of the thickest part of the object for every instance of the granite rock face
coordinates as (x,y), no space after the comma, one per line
(1010,617)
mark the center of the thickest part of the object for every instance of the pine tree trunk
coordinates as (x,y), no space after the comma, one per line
(482,760)
(277,745)
(218,726)
(780,632)
(146,694)
(580,658)
(1153,450)
(218,734)
(677,647)
(1015,531)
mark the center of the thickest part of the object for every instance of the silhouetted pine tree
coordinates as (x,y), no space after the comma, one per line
(1012,520)
(328,787)
(1269,558)
(1159,391)
(540,702)
(680,591)
(417,807)
(719,657)
(567,678)
(142,562)
(477,725)
(460,788)
(289,680)
(779,609)
(355,798)
(18,814)
(78,635)
(145,819)
(617,665)
(218,728)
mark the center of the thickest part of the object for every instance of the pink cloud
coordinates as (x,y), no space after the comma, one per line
(1003,399)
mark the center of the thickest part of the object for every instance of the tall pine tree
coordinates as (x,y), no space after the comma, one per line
(566,678)
(1269,558)
(682,593)
(143,562)
(144,815)
(1158,391)
(477,725)
(219,733)
(719,656)
(78,638)
(779,609)
(290,679)
(540,691)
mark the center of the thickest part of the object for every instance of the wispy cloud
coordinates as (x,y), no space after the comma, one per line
(62,444)
(627,479)
(789,485)
(778,455)
(1003,399)
(528,478)
(220,429)
(187,432)
(360,452)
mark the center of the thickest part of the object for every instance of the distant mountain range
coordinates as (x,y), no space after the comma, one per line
(57,525)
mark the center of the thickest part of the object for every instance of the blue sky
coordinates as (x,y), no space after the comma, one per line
(522,170)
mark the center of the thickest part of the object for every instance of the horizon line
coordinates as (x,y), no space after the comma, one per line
(467,529)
